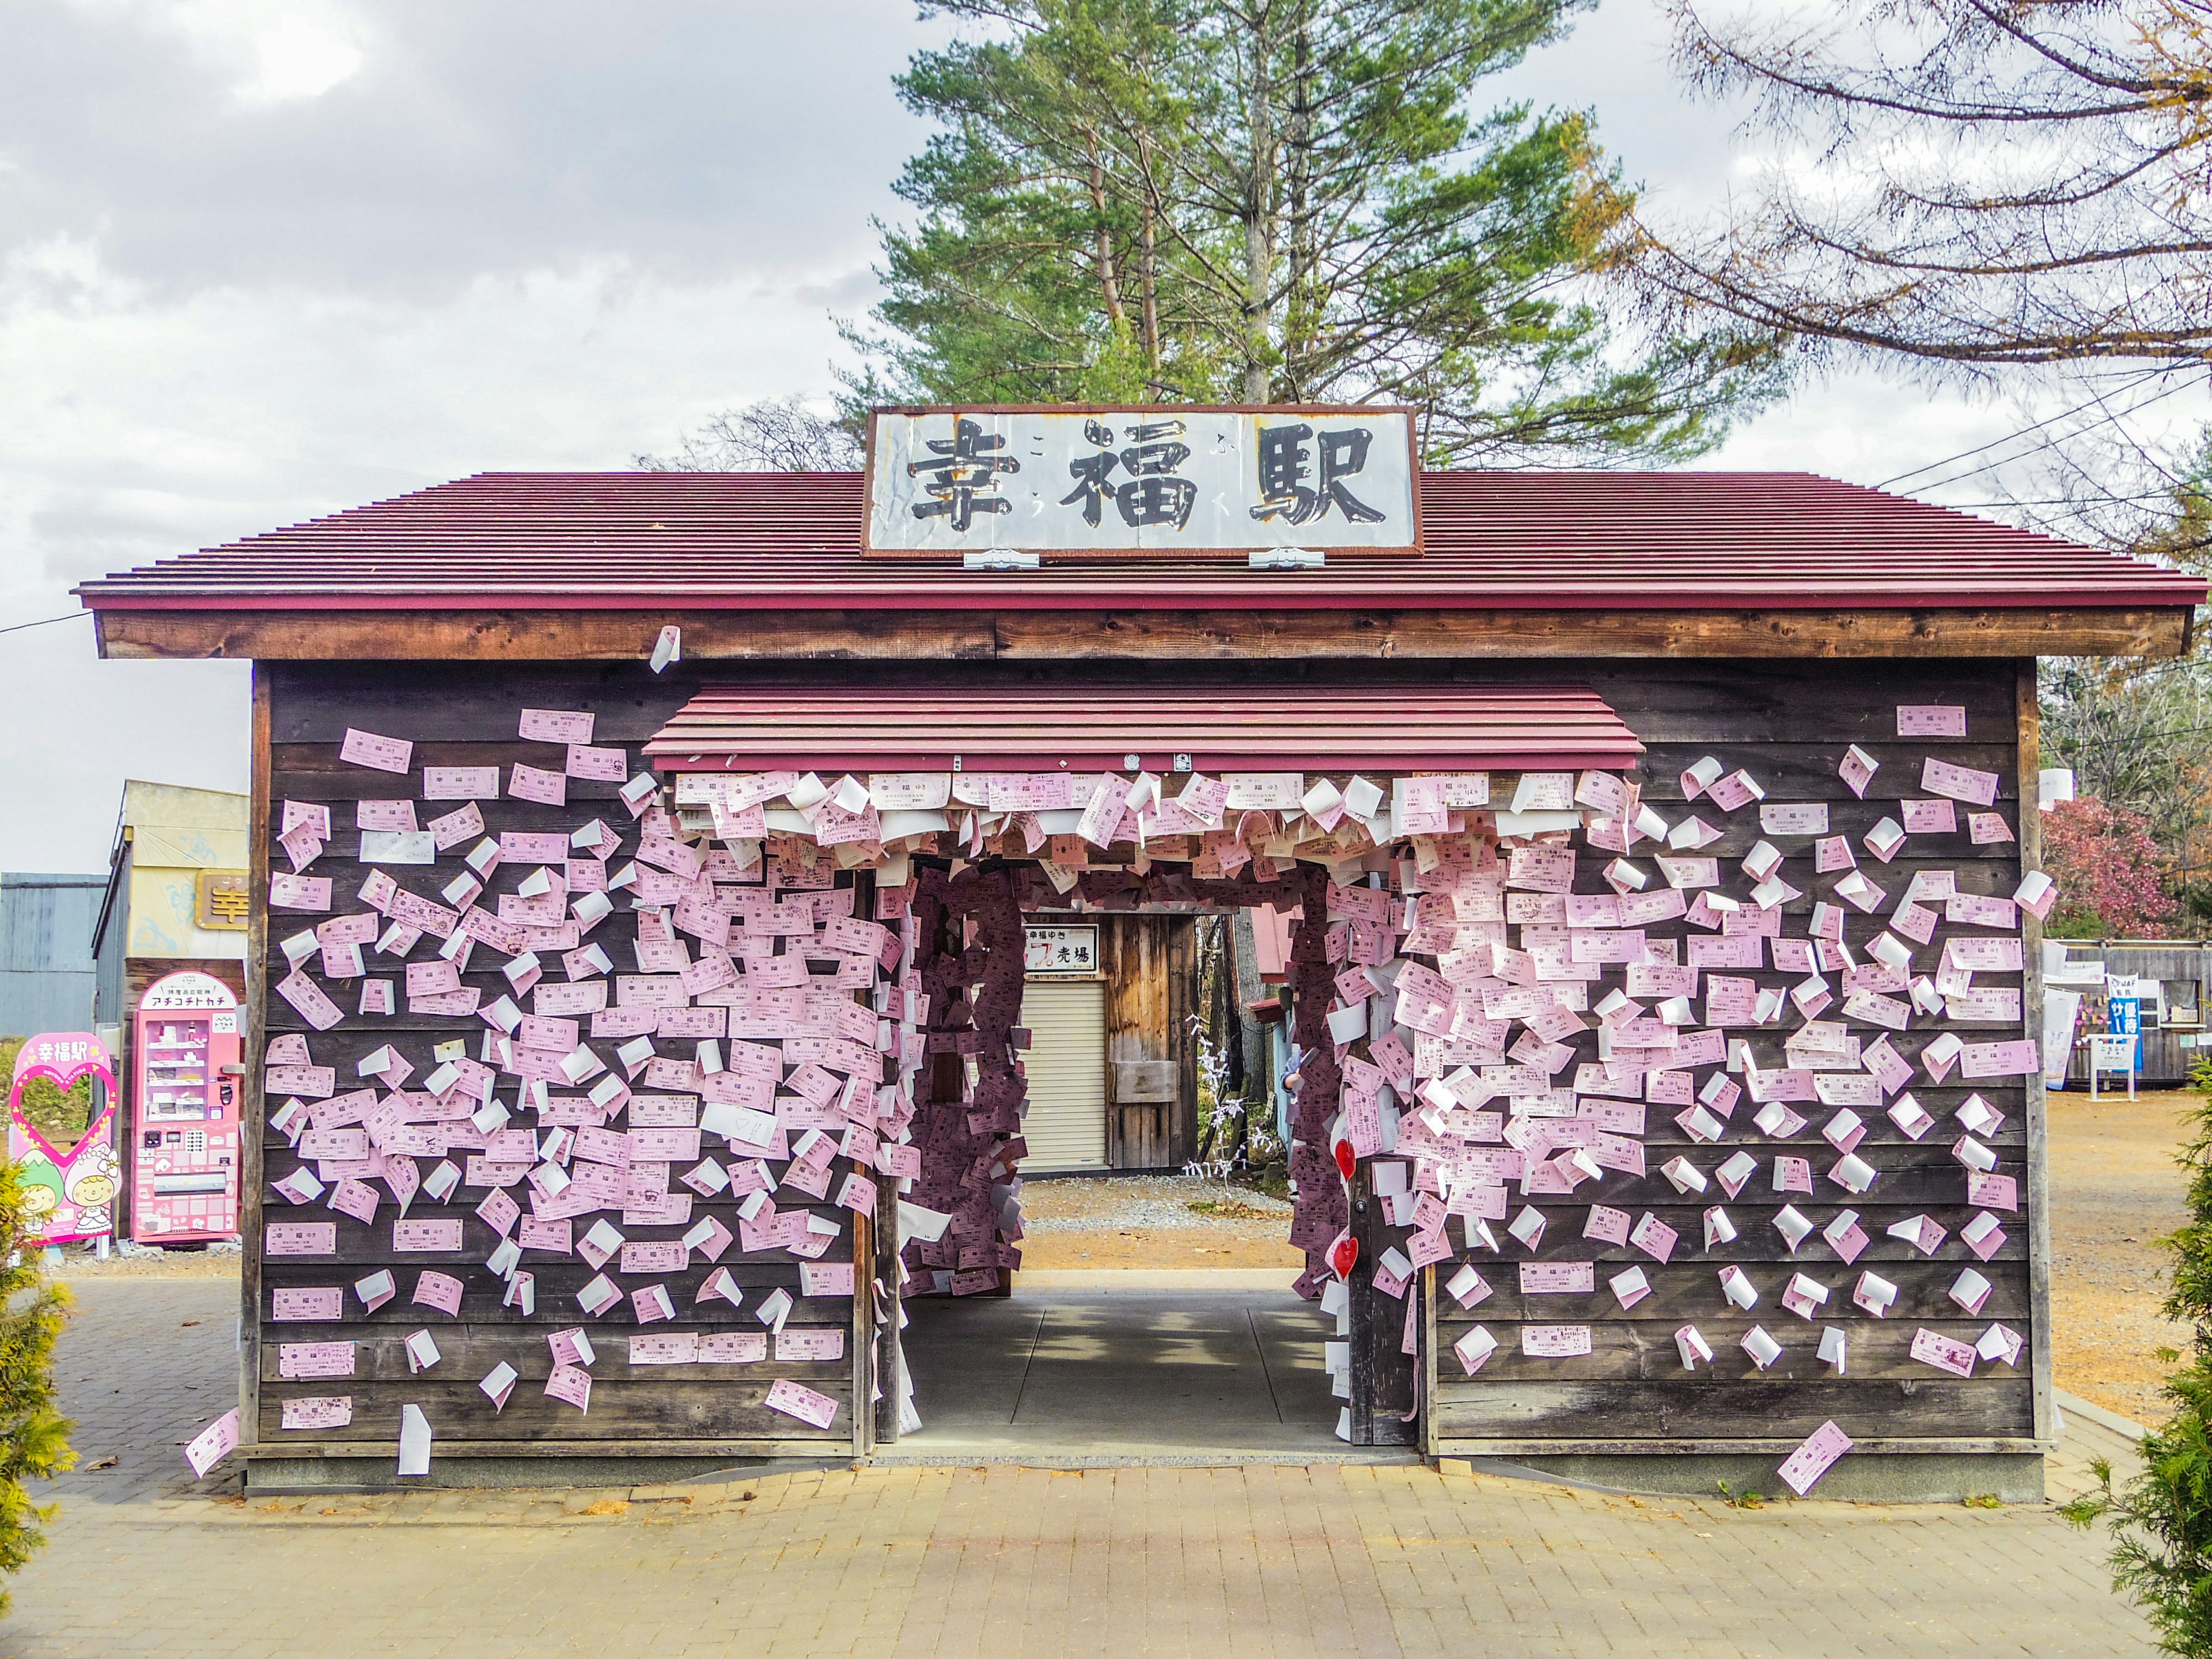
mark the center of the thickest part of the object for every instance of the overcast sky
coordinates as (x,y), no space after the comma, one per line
(261,259)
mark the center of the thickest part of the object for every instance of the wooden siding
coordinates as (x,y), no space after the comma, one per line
(455,719)
(1789,726)
(516,636)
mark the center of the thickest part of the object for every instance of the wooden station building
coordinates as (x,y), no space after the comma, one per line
(1665,634)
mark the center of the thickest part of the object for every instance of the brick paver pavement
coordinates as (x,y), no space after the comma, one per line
(1002,1562)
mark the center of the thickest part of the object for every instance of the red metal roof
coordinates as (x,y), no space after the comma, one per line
(1038,728)
(1516,540)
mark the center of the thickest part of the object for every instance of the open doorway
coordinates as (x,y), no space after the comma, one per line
(1160,1309)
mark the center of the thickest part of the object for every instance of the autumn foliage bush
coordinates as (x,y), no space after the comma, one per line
(2109,873)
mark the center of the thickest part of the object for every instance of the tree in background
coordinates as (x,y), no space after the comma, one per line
(34,1435)
(2135,738)
(2004,195)
(776,434)
(1257,201)
(2108,870)
(1974,182)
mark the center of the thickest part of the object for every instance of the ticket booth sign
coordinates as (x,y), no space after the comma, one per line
(69,1180)
(1072,952)
(186,1098)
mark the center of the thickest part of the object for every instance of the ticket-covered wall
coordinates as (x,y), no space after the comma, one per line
(358,1354)
(1790,728)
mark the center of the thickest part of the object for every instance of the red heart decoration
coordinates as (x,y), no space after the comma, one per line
(1347,1159)
(1343,1254)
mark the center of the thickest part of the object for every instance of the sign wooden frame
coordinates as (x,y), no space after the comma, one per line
(1142,554)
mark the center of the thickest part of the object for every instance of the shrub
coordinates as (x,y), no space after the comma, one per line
(34,1435)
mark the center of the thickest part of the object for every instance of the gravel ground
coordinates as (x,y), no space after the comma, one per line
(2115,1192)
(1146,1221)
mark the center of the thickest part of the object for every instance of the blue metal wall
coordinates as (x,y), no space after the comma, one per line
(45,951)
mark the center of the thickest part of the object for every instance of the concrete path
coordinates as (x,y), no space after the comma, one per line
(1164,1375)
(996,1562)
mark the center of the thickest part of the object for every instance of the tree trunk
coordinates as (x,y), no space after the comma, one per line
(1259,210)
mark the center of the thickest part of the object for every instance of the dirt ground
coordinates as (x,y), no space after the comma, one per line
(2115,1192)
(1147,1221)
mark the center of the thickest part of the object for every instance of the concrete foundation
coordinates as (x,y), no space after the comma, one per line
(1859,1478)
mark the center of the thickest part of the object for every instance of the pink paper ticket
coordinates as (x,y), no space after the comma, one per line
(1959,782)
(1930,720)
(380,753)
(532,783)
(318,1411)
(1827,1443)
(651,1256)
(572,1385)
(1555,1341)
(309,998)
(450,831)
(384,814)
(438,1291)
(1943,1352)
(1987,1060)
(314,1360)
(317,1304)
(732,1348)
(426,1235)
(603,765)
(1654,1236)
(1929,818)
(299,892)
(460,783)
(301,1239)
(1992,1192)
(1558,1277)
(1809,820)
(816,1343)
(213,1443)
(557,725)
(796,1400)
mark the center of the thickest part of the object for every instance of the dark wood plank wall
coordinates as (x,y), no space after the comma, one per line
(1789,725)
(459,717)
(1788,722)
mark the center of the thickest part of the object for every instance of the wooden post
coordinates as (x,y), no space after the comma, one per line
(250,1103)
(2029,717)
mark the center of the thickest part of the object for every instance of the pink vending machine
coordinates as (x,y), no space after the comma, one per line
(185,1098)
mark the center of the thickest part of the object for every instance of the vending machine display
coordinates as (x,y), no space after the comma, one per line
(184,1128)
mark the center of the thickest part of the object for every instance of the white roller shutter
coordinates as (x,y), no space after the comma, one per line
(1065,1127)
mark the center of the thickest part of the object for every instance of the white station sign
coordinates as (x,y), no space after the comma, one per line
(1206,481)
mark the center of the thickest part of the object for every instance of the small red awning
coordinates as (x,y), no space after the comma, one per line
(1030,728)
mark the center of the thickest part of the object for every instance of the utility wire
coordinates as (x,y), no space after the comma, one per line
(19,627)
(1994,443)
(2053,441)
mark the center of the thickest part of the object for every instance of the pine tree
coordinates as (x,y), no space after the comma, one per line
(34,1436)
(1269,201)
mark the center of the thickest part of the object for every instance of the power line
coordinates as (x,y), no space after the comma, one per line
(45,622)
(2053,441)
(1994,443)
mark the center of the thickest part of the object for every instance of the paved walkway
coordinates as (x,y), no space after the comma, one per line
(994,1562)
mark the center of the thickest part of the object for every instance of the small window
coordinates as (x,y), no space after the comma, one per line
(2183,998)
